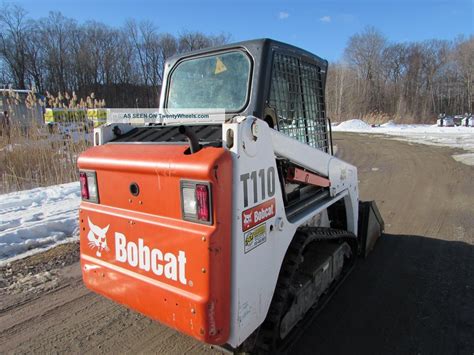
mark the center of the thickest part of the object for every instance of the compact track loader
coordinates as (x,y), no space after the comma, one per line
(231,230)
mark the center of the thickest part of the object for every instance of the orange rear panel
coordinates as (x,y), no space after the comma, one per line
(174,271)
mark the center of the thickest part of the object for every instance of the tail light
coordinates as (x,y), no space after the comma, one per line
(202,197)
(84,185)
(88,181)
(196,201)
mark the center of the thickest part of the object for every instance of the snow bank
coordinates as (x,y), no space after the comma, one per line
(38,219)
(352,125)
(455,137)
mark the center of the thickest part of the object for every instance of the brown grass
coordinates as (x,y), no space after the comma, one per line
(380,118)
(31,157)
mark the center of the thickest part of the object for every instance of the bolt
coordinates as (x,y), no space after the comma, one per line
(203,270)
(203,239)
(255,130)
(193,311)
(280,224)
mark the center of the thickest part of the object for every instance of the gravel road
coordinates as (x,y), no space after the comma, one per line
(413,295)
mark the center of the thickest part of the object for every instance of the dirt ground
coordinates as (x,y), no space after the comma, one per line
(413,295)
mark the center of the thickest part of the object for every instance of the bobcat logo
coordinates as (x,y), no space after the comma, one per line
(97,238)
(247,218)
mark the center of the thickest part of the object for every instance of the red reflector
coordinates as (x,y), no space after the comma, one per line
(84,185)
(202,197)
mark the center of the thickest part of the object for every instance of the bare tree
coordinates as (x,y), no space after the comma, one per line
(143,38)
(191,41)
(169,47)
(406,81)
(57,31)
(14,32)
(36,59)
(464,59)
(364,52)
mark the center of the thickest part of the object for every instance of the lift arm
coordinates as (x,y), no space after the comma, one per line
(341,175)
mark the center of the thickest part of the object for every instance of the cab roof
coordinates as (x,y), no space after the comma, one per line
(255,47)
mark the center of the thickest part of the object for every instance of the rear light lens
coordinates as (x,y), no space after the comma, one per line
(202,197)
(196,201)
(189,201)
(88,181)
(84,185)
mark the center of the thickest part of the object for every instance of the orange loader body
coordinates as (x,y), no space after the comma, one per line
(155,262)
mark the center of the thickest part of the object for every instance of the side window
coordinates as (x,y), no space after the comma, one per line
(296,94)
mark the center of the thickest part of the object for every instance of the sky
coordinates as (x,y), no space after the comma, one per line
(322,27)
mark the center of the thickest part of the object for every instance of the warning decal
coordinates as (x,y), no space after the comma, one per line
(255,237)
(220,67)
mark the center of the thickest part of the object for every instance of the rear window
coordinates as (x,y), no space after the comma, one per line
(217,81)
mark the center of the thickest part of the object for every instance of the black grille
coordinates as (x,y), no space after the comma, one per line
(170,134)
(296,94)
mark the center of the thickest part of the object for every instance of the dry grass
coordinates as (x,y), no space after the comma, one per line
(380,118)
(32,158)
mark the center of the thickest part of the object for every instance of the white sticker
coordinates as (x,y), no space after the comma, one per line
(255,237)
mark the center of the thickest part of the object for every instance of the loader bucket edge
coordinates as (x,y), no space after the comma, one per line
(371,226)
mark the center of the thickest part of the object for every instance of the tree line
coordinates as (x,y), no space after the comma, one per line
(122,65)
(411,82)
(376,79)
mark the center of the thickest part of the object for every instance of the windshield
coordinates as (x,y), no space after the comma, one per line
(218,81)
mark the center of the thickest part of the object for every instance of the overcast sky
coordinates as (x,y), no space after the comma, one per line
(322,27)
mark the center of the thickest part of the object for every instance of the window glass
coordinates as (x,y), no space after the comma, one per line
(218,81)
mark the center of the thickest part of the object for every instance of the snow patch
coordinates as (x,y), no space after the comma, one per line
(467,158)
(38,219)
(351,125)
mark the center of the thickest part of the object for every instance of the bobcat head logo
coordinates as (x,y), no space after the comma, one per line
(247,218)
(97,238)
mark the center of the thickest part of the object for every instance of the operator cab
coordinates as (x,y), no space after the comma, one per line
(280,83)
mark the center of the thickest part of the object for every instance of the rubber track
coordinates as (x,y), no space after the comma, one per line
(304,236)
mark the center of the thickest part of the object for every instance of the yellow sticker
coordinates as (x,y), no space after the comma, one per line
(220,67)
(255,237)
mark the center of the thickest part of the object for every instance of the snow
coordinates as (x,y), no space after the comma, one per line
(352,125)
(35,220)
(455,137)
